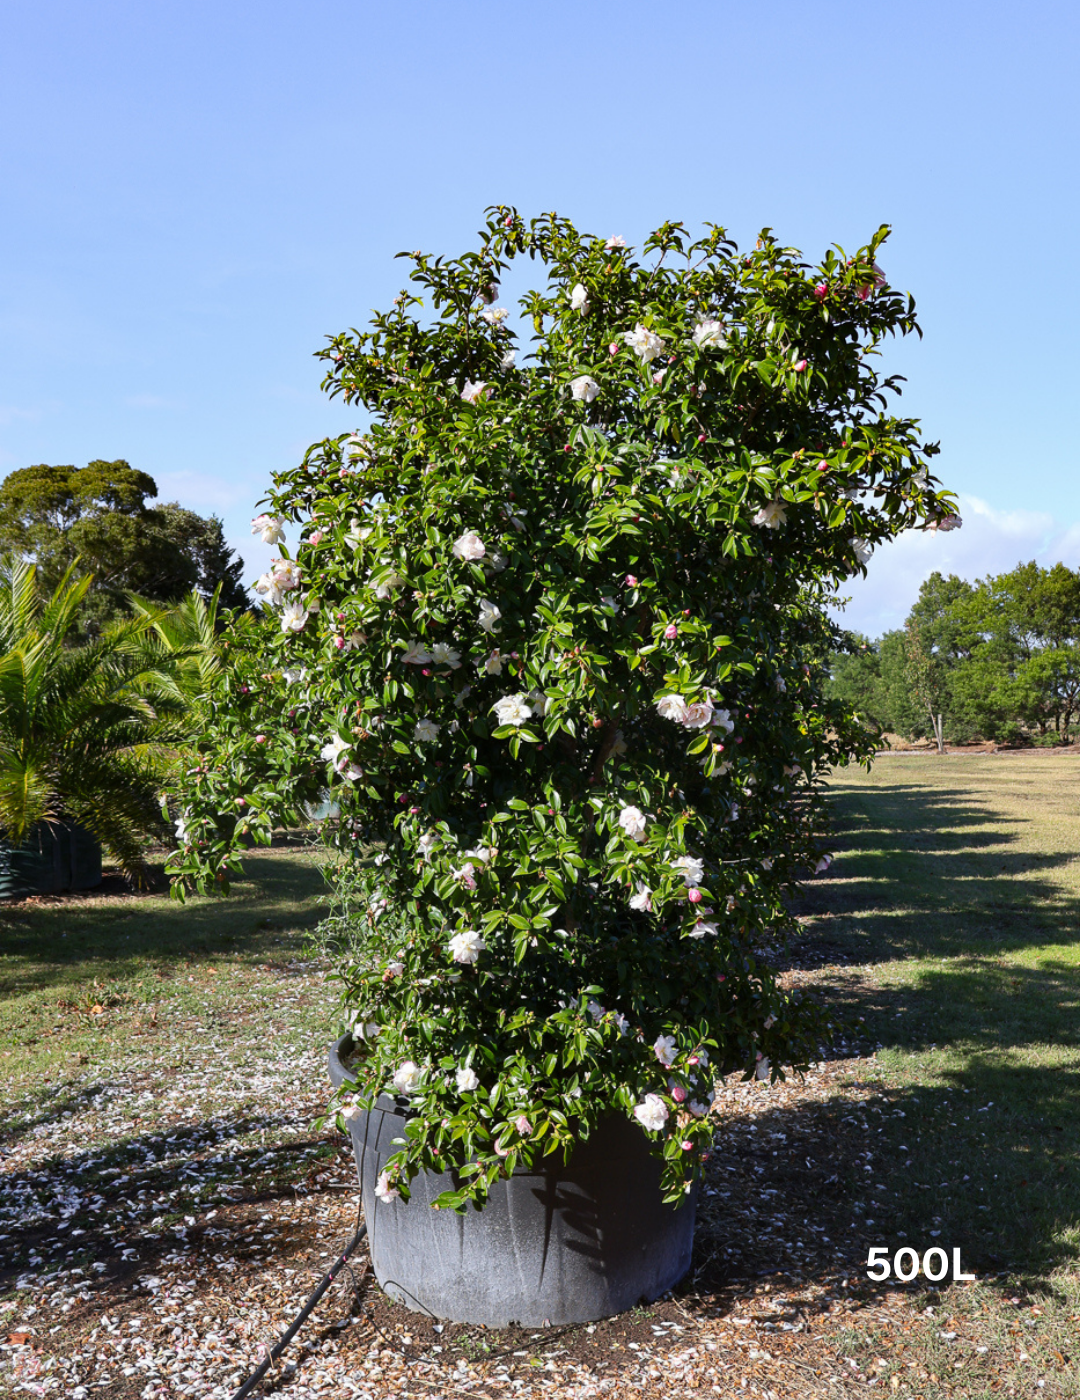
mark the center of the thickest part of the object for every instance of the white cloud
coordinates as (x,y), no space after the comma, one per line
(990,542)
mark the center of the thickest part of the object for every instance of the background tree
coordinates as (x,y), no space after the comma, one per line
(100,514)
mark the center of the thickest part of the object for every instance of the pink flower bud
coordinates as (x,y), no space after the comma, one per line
(613,348)
(701,437)
(240,802)
(339,642)
(821,291)
(260,738)
(720,977)
(694,896)
(631,581)
(687,1145)
(800,366)
(414,811)
(671,631)
(678,1093)
(522,1124)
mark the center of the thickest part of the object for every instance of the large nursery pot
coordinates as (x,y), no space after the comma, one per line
(55,858)
(559,1243)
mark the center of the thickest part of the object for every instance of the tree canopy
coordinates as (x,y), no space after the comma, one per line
(999,659)
(101,515)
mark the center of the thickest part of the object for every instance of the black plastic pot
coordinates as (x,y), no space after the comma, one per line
(53,859)
(562,1243)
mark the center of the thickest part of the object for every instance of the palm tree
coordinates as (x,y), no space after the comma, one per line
(86,732)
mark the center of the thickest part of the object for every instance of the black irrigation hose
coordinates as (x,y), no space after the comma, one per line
(301,1317)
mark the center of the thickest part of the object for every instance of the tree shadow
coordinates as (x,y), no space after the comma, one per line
(95,1211)
(804,1192)
(918,872)
(267,910)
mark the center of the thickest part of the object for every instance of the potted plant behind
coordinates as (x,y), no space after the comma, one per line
(551,638)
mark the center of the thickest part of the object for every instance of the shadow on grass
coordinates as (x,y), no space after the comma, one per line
(40,944)
(990,1166)
(918,872)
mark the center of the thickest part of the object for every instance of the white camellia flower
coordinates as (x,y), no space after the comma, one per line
(538,701)
(862,550)
(584,388)
(356,534)
(722,720)
(360,1029)
(698,1109)
(709,333)
(385,589)
(467,1079)
(495,315)
(286,574)
(618,744)
(293,617)
(491,665)
(181,826)
(443,654)
(416,654)
(466,947)
(332,750)
(665,1050)
(426,731)
(293,675)
(269,527)
(772,515)
(642,900)
(267,586)
(698,714)
(508,358)
(616,241)
(595,1010)
(469,546)
(622,1025)
(384,1191)
(672,707)
(651,1113)
(693,870)
(703,927)
(610,605)
(632,821)
(512,709)
(427,843)
(644,343)
(496,562)
(767,863)
(822,865)
(474,392)
(407,1078)
(489,615)
(579,298)
(396,969)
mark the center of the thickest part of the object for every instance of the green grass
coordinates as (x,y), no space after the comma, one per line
(98,980)
(956,895)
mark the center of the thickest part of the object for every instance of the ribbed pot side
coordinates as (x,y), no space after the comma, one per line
(561,1243)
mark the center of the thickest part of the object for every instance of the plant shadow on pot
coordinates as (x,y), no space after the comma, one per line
(556,1244)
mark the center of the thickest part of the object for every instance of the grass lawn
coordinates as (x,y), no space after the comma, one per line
(165,1203)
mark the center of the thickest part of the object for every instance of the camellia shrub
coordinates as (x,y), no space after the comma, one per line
(548,651)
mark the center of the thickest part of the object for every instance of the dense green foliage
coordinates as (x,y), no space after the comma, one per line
(85,730)
(549,639)
(99,514)
(999,659)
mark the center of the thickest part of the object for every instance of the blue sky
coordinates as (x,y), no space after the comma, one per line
(193,195)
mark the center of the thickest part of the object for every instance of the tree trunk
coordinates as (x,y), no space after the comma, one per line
(939,733)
